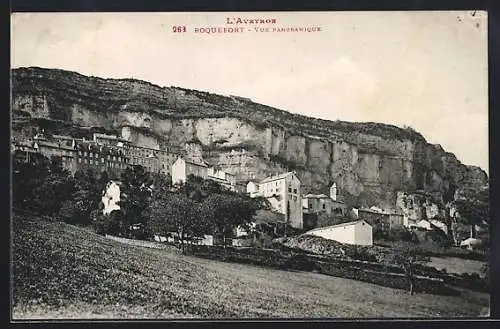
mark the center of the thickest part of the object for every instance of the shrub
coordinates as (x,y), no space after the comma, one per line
(440,238)
(399,234)
(300,262)
(100,225)
(68,212)
(360,253)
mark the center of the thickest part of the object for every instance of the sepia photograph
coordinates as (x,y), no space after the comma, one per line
(249,165)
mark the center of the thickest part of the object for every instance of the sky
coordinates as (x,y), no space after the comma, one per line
(426,70)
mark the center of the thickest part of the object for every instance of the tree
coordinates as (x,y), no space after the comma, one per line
(408,257)
(89,188)
(57,187)
(135,196)
(175,212)
(226,212)
(472,207)
(485,271)
(69,212)
(26,178)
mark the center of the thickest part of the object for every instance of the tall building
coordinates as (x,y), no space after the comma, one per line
(283,193)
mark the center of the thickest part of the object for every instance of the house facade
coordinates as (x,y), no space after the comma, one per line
(252,189)
(223,178)
(283,193)
(182,168)
(381,220)
(356,233)
(317,203)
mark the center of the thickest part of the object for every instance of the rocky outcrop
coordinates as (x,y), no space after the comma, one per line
(368,161)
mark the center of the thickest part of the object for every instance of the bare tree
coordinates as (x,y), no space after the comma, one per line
(407,257)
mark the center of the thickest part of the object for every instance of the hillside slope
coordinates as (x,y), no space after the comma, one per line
(68,272)
(368,161)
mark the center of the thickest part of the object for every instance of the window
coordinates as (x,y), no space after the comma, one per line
(295,190)
(85,153)
(324,206)
(294,198)
(289,190)
(91,162)
(102,160)
(79,160)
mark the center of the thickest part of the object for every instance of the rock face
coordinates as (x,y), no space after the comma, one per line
(370,162)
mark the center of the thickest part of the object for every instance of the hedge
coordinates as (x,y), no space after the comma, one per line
(376,273)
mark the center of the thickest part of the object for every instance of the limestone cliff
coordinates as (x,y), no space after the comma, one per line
(370,162)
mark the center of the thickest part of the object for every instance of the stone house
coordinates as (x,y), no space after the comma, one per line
(283,193)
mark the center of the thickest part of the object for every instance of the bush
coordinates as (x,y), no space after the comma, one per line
(101,224)
(301,262)
(399,234)
(440,238)
(360,253)
(68,212)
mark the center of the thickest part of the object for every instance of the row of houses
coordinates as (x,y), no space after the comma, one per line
(283,191)
(114,154)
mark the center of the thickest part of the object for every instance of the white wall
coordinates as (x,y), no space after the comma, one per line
(179,171)
(358,234)
(344,234)
(111,197)
(363,234)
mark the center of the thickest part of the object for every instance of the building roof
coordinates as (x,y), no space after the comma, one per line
(105,136)
(194,162)
(316,196)
(273,178)
(470,241)
(218,179)
(379,213)
(338,225)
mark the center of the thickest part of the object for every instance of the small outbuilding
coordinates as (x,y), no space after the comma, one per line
(471,243)
(357,233)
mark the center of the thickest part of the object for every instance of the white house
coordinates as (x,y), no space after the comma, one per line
(111,197)
(358,233)
(283,193)
(333,192)
(470,243)
(253,189)
(182,168)
(425,224)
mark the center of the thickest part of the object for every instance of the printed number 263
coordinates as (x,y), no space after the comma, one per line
(179,29)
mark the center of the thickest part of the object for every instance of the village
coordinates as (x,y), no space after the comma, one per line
(326,216)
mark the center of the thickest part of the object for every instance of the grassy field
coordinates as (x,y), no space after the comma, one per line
(62,271)
(457,265)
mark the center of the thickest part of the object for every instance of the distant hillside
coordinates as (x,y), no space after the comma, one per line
(368,161)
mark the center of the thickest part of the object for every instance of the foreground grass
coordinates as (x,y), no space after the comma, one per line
(61,271)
